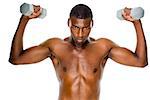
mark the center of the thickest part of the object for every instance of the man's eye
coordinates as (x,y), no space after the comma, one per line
(74,27)
(87,28)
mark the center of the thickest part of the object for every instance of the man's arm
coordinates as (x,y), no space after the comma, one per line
(30,55)
(127,57)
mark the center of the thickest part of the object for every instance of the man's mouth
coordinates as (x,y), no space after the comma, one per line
(80,40)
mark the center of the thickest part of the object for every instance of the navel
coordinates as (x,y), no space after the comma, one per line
(64,69)
(95,70)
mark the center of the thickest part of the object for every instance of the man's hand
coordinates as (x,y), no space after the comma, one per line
(36,13)
(127,14)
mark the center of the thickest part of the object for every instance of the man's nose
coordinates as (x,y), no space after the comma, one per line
(80,32)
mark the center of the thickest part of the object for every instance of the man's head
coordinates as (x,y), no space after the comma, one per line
(81,11)
(80,23)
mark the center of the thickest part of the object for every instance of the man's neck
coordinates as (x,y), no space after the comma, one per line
(79,46)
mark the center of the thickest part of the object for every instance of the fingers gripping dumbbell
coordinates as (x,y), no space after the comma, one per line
(27,9)
(136,13)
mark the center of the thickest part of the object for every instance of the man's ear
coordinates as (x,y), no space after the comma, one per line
(91,23)
(69,22)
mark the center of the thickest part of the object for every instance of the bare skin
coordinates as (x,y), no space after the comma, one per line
(79,60)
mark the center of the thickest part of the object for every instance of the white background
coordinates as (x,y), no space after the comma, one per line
(39,81)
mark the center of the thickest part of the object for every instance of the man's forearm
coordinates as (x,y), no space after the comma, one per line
(141,48)
(17,43)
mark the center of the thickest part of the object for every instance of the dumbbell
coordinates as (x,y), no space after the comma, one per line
(27,9)
(136,13)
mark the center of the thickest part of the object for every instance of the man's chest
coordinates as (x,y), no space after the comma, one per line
(86,61)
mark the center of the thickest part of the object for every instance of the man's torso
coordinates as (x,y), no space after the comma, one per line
(79,70)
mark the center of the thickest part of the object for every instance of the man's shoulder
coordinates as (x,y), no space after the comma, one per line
(104,42)
(55,39)
(52,41)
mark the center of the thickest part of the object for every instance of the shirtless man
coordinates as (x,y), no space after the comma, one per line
(79,60)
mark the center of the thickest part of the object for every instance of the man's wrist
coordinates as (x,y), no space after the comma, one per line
(136,22)
(25,18)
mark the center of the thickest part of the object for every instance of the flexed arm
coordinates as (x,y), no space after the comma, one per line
(127,57)
(31,55)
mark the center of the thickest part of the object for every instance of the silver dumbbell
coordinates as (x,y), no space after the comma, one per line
(136,13)
(27,9)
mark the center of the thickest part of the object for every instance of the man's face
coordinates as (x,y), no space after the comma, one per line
(80,29)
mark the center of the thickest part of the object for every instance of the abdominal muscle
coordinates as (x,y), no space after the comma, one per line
(79,80)
(78,87)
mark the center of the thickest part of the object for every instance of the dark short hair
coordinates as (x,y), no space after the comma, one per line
(81,11)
